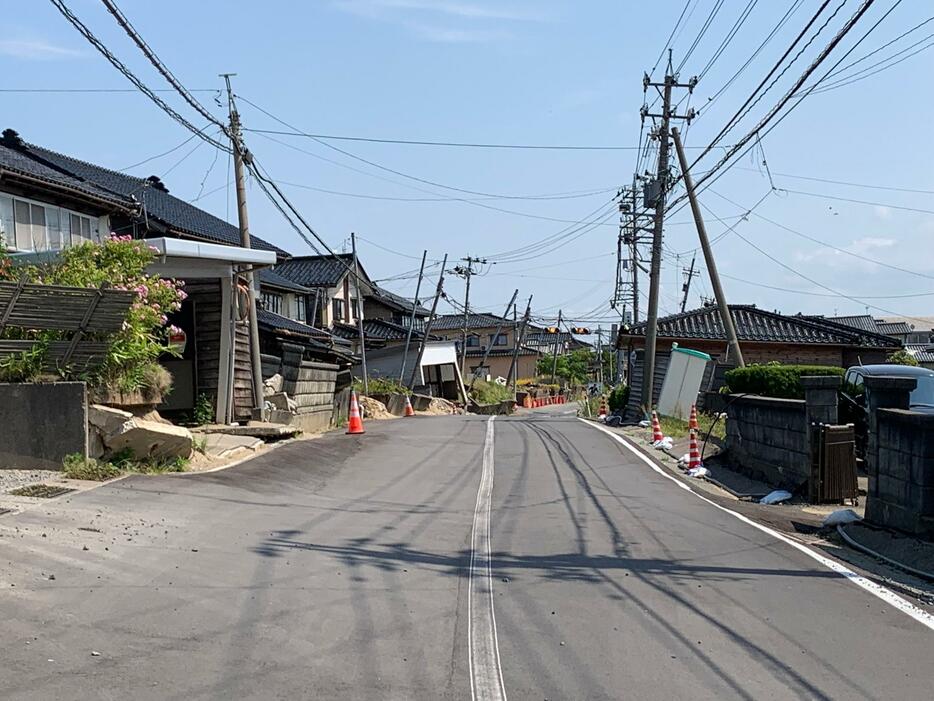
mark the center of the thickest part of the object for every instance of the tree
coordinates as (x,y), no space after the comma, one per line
(903,357)
(572,367)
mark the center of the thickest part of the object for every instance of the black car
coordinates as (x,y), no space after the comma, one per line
(854,399)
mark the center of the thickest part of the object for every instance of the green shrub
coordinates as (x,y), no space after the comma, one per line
(484,392)
(380,385)
(76,467)
(26,366)
(774,380)
(619,396)
(902,357)
(203,412)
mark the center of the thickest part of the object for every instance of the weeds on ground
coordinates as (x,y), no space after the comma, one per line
(380,385)
(75,466)
(484,392)
(676,428)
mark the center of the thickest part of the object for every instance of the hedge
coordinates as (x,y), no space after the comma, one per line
(619,396)
(783,381)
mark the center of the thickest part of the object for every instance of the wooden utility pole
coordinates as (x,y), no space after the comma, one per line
(554,360)
(359,312)
(520,337)
(686,287)
(499,330)
(408,335)
(428,325)
(634,257)
(651,332)
(466,273)
(725,316)
(239,153)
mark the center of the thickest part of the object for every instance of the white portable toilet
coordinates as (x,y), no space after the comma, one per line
(682,382)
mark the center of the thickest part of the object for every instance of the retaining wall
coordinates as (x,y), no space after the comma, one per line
(42,423)
(767,438)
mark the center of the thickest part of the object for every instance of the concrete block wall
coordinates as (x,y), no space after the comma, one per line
(42,423)
(901,485)
(767,438)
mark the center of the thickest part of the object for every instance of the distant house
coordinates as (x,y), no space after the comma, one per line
(764,337)
(917,334)
(540,339)
(481,333)
(49,201)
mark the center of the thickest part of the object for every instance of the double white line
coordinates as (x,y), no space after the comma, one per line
(486,674)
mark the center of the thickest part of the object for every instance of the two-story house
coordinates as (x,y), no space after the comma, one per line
(482,333)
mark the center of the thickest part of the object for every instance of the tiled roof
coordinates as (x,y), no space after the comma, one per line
(318,271)
(754,324)
(923,352)
(863,322)
(379,329)
(179,216)
(17,162)
(268,276)
(449,322)
(500,352)
(280,324)
(893,328)
(398,302)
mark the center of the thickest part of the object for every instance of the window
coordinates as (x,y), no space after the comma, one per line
(272,302)
(499,340)
(32,226)
(301,313)
(337,309)
(473,341)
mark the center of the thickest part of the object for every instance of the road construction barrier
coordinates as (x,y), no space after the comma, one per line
(657,434)
(354,423)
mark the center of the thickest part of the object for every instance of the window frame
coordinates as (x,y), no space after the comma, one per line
(54,233)
(272,301)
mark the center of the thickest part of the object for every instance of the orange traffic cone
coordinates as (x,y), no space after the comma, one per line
(692,422)
(409,411)
(602,413)
(694,459)
(656,428)
(355,423)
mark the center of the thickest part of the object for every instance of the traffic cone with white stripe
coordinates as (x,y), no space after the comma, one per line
(355,423)
(409,411)
(692,422)
(657,434)
(602,414)
(694,457)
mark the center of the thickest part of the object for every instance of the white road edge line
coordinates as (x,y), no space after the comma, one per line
(887,595)
(486,674)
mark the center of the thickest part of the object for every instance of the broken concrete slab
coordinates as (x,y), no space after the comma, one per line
(107,420)
(273,385)
(221,445)
(267,431)
(282,402)
(148,439)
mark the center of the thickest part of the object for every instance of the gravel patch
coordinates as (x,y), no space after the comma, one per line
(12,479)
(909,551)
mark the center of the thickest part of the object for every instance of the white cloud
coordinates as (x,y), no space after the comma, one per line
(35,50)
(869,243)
(882,211)
(838,259)
(446,21)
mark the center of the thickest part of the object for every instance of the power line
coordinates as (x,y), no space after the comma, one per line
(811,293)
(737,25)
(96,90)
(142,87)
(844,182)
(670,36)
(700,35)
(855,201)
(160,155)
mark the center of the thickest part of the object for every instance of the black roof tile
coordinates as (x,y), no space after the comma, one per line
(317,271)
(397,302)
(754,324)
(179,216)
(448,322)
(269,277)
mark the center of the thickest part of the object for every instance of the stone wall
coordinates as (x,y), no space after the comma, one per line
(900,459)
(42,423)
(767,438)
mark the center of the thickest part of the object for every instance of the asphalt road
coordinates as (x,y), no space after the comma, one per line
(423,561)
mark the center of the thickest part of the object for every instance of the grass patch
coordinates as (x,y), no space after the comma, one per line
(676,428)
(75,466)
(380,385)
(484,392)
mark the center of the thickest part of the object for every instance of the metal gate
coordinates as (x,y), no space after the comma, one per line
(833,464)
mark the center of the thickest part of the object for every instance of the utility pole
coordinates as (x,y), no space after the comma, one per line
(408,336)
(520,337)
(431,320)
(359,311)
(599,373)
(554,361)
(634,257)
(466,273)
(239,155)
(499,330)
(661,185)
(689,275)
(725,316)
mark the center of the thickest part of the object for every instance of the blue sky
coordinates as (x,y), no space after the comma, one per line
(545,72)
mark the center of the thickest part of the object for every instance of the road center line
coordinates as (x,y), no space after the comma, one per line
(887,595)
(486,675)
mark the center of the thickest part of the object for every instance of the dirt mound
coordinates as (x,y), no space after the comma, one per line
(373,409)
(439,407)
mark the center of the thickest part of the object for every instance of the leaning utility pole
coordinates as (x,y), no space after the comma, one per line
(499,330)
(554,360)
(686,287)
(661,188)
(359,312)
(239,154)
(725,316)
(466,273)
(428,325)
(408,335)
(520,337)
